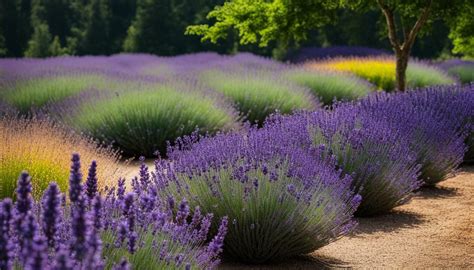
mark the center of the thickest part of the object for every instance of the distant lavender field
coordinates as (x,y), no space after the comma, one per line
(158,99)
(139,102)
(312,53)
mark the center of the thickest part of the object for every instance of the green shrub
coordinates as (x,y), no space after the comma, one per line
(141,122)
(328,86)
(35,93)
(258,95)
(419,75)
(465,73)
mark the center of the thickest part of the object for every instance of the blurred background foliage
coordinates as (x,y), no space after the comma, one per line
(41,28)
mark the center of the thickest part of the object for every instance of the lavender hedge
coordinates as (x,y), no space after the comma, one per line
(383,168)
(281,201)
(86,231)
(435,121)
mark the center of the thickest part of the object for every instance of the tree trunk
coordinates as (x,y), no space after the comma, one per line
(401,68)
(402,49)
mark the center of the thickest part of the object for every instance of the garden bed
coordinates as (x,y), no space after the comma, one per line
(434,230)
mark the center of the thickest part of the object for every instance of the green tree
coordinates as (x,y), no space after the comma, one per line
(39,45)
(9,22)
(3,50)
(61,17)
(152,28)
(260,21)
(55,48)
(96,34)
(462,31)
(122,13)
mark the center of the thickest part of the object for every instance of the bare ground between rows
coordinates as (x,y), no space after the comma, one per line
(434,230)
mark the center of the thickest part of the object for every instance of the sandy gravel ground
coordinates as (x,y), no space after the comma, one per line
(434,230)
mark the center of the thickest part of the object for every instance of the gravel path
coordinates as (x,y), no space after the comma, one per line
(434,230)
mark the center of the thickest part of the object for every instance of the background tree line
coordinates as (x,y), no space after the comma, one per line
(42,28)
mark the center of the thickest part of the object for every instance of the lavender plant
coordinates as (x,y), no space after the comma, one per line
(257,94)
(330,86)
(383,168)
(141,122)
(462,69)
(36,93)
(454,105)
(281,201)
(116,232)
(436,138)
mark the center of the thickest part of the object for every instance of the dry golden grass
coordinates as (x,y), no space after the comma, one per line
(44,150)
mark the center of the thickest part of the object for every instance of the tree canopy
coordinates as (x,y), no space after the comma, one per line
(104,27)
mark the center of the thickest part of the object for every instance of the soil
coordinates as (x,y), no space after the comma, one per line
(434,230)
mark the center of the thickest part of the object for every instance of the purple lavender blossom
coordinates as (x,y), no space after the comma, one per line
(6,245)
(222,170)
(80,226)
(123,265)
(24,200)
(62,260)
(91,182)
(436,134)
(75,179)
(51,214)
(74,231)
(37,255)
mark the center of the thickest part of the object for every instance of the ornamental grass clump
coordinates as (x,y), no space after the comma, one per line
(141,122)
(330,86)
(121,231)
(281,201)
(383,168)
(381,71)
(258,94)
(438,146)
(38,146)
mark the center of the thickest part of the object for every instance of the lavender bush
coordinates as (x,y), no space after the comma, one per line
(330,86)
(281,201)
(257,94)
(462,69)
(120,231)
(454,105)
(141,122)
(383,167)
(436,138)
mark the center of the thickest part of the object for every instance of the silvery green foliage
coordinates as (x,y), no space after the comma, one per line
(281,201)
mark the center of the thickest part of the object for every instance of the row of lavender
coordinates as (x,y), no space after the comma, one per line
(293,186)
(134,230)
(158,99)
(283,190)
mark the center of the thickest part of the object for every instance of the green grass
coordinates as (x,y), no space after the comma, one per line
(141,122)
(256,96)
(328,86)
